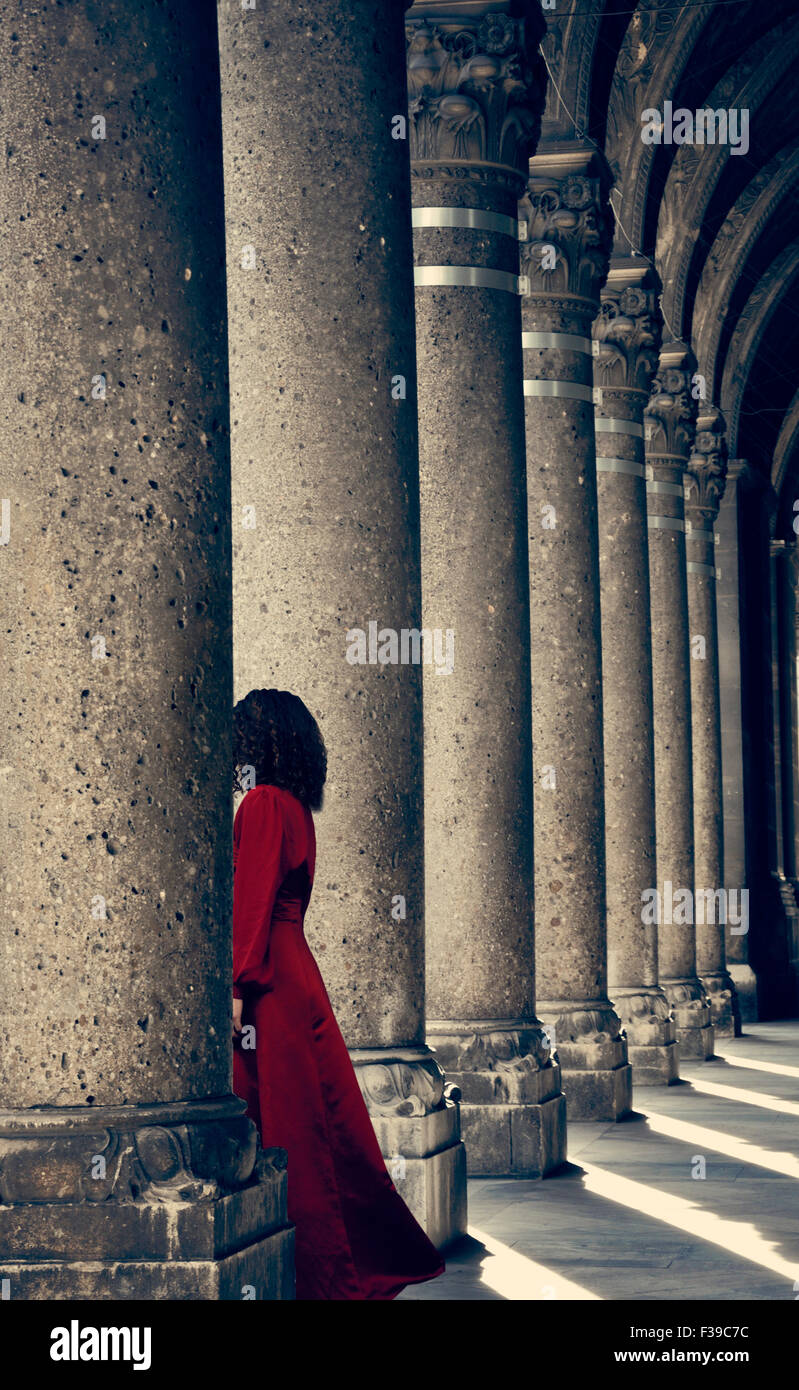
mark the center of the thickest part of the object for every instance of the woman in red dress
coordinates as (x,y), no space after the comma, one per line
(355,1237)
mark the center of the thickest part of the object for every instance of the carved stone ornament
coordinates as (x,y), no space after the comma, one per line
(644,1004)
(689,1002)
(595,1025)
(74,1157)
(569,222)
(475,90)
(706,475)
(401,1086)
(671,411)
(502,1050)
(629,329)
(646,1015)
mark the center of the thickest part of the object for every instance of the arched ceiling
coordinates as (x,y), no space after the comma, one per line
(721,228)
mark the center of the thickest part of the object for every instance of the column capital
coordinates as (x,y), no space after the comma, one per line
(629,326)
(671,410)
(706,474)
(476,89)
(566,207)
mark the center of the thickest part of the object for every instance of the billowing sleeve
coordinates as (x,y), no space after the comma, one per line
(259,873)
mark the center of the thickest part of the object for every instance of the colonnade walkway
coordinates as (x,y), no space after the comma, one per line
(627,1219)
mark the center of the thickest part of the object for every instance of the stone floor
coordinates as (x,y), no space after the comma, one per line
(630,1217)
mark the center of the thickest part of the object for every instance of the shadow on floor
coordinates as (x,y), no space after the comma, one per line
(693,1197)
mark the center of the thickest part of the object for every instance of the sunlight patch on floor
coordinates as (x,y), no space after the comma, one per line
(738,1238)
(516,1277)
(712,1139)
(734,1060)
(766,1102)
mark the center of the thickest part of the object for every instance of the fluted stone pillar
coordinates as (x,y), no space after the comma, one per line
(565,258)
(627,338)
(704,481)
(326,564)
(128,1169)
(735,502)
(475,89)
(670,423)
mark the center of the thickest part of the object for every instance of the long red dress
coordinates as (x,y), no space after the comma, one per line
(355,1237)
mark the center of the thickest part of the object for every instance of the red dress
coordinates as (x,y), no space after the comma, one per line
(355,1237)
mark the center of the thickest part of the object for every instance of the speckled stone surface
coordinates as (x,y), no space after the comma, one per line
(705,481)
(567,667)
(627,333)
(670,418)
(116,820)
(326,509)
(566,210)
(118,1179)
(478,759)
(325,456)
(734,506)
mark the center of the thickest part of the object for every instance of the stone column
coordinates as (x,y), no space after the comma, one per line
(707,468)
(565,258)
(790,740)
(732,514)
(476,92)
(128,1169)
(627,338)
(790,649)
(326,563)
(670,420)
(782,673)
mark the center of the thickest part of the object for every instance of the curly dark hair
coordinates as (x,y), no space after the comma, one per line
(276,734)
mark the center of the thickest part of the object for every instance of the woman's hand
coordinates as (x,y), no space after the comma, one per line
(238,1005)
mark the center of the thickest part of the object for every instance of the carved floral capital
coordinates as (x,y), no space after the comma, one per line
(706,475)
(476,87)
(671,411)
(629,326)
(569,222)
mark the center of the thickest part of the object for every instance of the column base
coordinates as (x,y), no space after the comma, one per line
(513,1113)
(691,1010)
(655,1066)
(745,982)
(592,1051)
(724,1012)
(652,1047)
(515,1141)
(143,1202)
(416,1117)
(264,1271)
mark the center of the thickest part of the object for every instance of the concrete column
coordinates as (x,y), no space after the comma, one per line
(326,567)
(732,512)
(128,1169)
(670,422)
(707,468)
(627,338)
(475,88)
(565,258)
